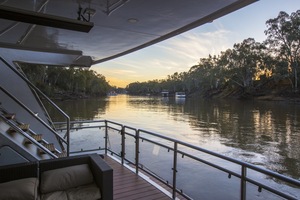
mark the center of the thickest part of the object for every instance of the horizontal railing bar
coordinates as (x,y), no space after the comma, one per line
(238,176)
(153,142)
(81,121)
(113,152)
(129,134)
(115,123)
(113,128)
(83,151)
(211,164)
(131,128)
(129,161)
(248,165)
(87,127)
(270,189)
(80,128)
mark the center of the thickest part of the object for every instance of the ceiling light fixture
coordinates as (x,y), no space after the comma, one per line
(133,20)
(30,17)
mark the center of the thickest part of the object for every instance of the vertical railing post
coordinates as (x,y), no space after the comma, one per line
(137,150)
(68,136)
(243,182)
(106,137)
(174,170)
(123,144)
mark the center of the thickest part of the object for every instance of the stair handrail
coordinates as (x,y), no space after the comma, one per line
(38,118)
(27,136)
(47,99)
(38,98)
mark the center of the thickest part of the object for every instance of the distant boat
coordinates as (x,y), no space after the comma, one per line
(164,93)
(112,93)
(180,95)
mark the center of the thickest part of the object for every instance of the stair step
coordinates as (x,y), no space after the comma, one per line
(9,115)
(61,155)
(38,138)
(50,147)
(24,127)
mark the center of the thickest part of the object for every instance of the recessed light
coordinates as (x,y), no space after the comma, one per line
(132,20)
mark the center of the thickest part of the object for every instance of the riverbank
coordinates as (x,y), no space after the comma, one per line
(270,91)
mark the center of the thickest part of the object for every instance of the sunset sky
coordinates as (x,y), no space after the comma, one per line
(180,53)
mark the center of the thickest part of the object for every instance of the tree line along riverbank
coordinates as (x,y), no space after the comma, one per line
(267,70)
(263,70)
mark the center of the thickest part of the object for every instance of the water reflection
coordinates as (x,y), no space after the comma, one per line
(268,132)
(262,133)
(82,109)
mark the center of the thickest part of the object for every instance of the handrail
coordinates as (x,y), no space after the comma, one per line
(35,116)
(242,175)
(248,165)
(47,99)
(244,166)
(27,136)
(36,95)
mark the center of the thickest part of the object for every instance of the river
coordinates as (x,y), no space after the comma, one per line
(263,133)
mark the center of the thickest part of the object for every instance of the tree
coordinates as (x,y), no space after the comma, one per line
(52,79)
(242,62)
(283,36)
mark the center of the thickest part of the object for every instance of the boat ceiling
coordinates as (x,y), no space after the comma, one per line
(119,26)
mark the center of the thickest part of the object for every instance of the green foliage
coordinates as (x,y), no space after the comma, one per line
(54,79)
(246,66)
(283,38)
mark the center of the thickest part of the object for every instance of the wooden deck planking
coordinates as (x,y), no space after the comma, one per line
(129,186)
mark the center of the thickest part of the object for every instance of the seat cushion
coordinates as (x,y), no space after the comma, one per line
(65,178)
(91,192)
(61,195)
(19,189)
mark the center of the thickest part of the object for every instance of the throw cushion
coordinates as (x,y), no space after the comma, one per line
(19,189)
(65,178)
(59,195)
(90,192)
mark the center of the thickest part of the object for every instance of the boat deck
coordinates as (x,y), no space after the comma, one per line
(129,186)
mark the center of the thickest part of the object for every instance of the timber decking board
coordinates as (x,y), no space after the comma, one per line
(129,186)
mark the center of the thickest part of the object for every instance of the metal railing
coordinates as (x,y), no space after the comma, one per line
(185,150)
(28,137)
(35,89)
(38,119)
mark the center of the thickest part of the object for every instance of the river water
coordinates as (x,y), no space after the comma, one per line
(263,133)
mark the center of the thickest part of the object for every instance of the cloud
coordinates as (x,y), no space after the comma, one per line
(193,45)
(177,54)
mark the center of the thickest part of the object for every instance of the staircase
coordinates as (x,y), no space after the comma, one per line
(25,138)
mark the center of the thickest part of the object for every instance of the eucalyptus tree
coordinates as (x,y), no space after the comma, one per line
(241,63)
(208,73)
(283,37)
(35,73)
(54,73)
